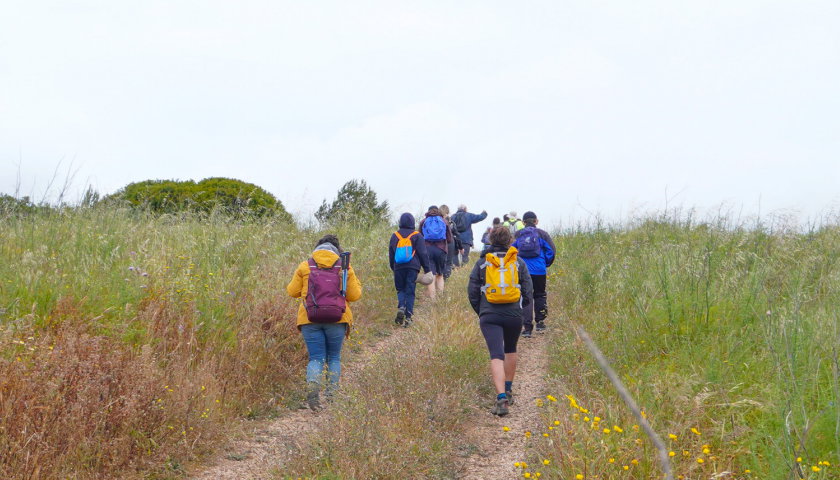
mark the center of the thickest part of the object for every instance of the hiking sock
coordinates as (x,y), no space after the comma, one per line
(508,385)
(501,396)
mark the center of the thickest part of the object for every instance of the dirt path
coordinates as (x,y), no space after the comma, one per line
(269,445)
(499,450)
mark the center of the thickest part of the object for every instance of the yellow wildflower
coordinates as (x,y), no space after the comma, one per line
(695,431)
(546,461)
(672,453)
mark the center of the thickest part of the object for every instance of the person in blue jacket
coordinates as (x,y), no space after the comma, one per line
(537,250)
(464,221)
(405,273)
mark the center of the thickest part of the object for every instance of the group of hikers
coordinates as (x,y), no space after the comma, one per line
(506,289)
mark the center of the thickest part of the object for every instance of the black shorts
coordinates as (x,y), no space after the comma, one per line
(437,258)
(501,332)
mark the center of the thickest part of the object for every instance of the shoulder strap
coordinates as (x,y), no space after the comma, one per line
(314,265)
(397,233)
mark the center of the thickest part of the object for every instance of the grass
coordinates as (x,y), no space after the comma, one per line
(406,414)
(729,332)
(130,342)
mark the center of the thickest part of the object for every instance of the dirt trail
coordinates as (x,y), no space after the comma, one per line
(271,444)
(499,450)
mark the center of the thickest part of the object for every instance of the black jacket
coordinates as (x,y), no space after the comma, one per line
(477,280)
(421,256)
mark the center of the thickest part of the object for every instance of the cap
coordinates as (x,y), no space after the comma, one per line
(529,215)
(512,214)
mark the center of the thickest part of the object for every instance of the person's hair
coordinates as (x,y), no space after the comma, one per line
(506,217)
(462,208)
(444,209)
(433,212)
(500,236)
(329,238)
(496,222)
(530,222)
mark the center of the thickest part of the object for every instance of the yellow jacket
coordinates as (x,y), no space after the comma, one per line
(300,282)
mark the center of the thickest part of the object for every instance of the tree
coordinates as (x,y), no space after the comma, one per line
(355,202)
(169,196)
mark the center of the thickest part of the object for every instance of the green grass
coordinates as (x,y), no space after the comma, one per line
(730,331)
(130,341)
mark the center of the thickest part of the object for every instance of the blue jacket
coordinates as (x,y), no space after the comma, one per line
(467,235)
(421,256)
(539,265)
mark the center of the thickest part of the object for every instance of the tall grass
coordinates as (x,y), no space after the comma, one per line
(733,332)
(130,341)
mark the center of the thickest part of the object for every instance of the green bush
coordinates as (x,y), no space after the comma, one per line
(171,196)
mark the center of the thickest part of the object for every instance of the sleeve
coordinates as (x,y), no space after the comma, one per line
(354,286)
(392,247)
(550,251)
(422,252)
(526,285)
(475,218)
(295,287)
(474,287)
(449,237)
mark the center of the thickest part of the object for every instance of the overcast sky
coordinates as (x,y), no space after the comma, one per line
(562,107)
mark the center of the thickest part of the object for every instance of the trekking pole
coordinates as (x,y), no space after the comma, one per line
(345,266)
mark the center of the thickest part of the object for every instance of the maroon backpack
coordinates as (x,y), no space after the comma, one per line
(324,303)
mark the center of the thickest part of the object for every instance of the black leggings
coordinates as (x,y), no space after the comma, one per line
(501,332)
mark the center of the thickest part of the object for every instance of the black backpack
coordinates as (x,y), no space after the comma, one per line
(461,222)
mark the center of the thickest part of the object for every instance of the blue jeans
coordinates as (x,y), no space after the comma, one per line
(323,341)
(404,281)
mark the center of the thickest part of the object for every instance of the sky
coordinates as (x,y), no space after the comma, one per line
(571,109)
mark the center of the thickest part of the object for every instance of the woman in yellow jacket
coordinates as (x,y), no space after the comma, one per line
(323,340)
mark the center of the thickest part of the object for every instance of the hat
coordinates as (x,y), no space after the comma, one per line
(529,215)
(512,214)
(435,207)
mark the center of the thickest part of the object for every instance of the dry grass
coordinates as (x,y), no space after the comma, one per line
(131,343)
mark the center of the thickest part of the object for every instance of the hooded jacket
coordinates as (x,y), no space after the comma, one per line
(421,256)
(478,279)
(325,256)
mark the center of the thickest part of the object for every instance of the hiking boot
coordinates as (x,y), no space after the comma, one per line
(540,327)
(526,334)
(509,396)
(313,397)
(501,407)
(408,322)
(400,319)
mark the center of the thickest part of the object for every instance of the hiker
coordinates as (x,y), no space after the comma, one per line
(452,247)
(499,287)
(485,239)
(513,223)
(464,221)
(324,317)
(437,235)
(537,249)
(406,255)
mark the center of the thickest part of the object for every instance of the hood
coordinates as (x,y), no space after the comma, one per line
(325,255)
(407,221)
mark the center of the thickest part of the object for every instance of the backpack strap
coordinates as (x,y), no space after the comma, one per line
(313,265)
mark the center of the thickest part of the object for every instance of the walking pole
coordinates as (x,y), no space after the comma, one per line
(345,266)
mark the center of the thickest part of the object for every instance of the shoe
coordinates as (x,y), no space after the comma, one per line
(313,398)
(526,334)
(501,407)
(400,319)
(408,322)
(509,396)
(540,327)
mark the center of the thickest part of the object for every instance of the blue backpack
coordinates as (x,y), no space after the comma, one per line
(528,242)
(434,229)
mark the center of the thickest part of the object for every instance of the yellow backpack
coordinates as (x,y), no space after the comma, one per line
(501,277)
